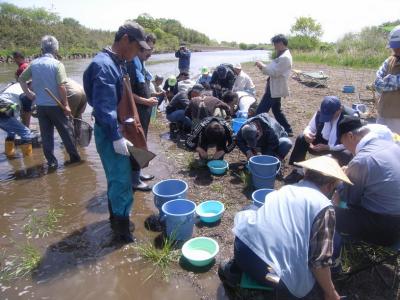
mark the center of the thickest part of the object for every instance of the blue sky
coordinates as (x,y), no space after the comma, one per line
(250,21)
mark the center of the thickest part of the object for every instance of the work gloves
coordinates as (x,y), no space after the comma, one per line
(121,146)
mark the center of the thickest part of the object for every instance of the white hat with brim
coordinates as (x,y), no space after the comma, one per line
(325,165)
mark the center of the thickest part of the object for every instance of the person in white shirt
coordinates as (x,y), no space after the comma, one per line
(243,82)
(320,136)
(278,71)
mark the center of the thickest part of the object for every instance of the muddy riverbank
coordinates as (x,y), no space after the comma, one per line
(77,259)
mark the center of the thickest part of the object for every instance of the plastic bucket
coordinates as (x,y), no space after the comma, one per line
(179,218)
(167,190)
(237,124)
(263,169)
(258,196)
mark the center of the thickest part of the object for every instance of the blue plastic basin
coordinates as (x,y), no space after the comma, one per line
(210,211)
(218,167)
(258,196)
(348,89)
(237,124)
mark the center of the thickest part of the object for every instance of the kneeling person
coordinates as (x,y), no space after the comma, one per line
(212,131)
(264,134)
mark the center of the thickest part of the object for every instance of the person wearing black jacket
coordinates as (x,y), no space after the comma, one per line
(222,80)
(263,134)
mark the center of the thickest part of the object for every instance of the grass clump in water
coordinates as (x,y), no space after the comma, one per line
(42,226)
(160,258)
(19,266)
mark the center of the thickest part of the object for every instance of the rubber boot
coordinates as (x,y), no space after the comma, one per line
(9,148)
(26,149)
(120,226)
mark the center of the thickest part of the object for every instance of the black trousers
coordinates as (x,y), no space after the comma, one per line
(50,117)
(267,102)
(144,116)
(301,147)
(362,224)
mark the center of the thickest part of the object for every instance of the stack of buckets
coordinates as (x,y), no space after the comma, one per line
(263,169)
(178,212)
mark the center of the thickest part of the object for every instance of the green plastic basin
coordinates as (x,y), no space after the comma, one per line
(200,251)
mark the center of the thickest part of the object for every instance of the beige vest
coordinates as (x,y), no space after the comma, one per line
(389,102)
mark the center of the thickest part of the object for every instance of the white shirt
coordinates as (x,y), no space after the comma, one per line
(329,133)
(245,101)
(244,83)
(12,93)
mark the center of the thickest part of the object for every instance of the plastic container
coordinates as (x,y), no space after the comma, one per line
(167,190)
(349,89)
(360,108)
(210,211)
(258,196)
(218,167)
(237,124)
(200,251)
(263,169)
(179,218)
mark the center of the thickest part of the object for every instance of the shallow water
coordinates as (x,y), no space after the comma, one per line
(79,260)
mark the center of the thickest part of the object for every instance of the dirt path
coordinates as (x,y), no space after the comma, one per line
(231,188)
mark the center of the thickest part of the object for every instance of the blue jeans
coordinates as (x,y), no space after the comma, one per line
(179,116)
(118,173)
(14,127)
(285,144)
(267,102)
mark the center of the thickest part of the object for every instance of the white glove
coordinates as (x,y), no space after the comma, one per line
(121,146)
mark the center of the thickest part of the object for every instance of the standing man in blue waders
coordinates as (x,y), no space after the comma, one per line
(184,58)
(103,83)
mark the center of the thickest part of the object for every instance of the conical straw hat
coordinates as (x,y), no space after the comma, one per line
(325,165)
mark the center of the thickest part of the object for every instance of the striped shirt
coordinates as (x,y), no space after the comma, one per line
(385,82)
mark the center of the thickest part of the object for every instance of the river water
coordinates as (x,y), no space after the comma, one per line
(78,260)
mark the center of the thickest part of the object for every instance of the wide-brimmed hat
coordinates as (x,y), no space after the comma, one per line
(325,165)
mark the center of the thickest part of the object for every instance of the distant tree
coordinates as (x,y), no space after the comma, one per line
(307,27)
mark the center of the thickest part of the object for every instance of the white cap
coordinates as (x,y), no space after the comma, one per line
(237,66)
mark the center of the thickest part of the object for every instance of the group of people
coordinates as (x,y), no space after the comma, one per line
(295,237)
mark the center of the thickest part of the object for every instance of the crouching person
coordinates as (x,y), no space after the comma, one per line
(9,109)
(212,131)
(264,134)
(287,243)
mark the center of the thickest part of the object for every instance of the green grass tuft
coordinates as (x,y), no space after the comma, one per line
(18,266)
(43,225)
(160,258)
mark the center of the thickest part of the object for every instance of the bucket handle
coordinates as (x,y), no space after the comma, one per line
(277,170)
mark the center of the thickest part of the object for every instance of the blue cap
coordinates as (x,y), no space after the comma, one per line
(329,106)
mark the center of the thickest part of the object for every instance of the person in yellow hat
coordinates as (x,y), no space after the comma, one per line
(288,242)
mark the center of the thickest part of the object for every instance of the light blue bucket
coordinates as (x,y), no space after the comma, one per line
(167,190)
(258,196)
(179,218)
(263,169)
(237,124)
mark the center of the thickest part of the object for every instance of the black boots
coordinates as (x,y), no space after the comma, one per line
(120,227)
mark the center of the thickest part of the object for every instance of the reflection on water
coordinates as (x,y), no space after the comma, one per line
(79,260)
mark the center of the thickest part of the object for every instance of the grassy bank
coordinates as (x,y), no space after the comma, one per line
(332,58)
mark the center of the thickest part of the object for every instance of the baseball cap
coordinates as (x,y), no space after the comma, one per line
(171,80)
(249,134)
(329,106)
(135,31)
(204,70)
(394,38)
(237,66)
(197,88)
(347,124)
